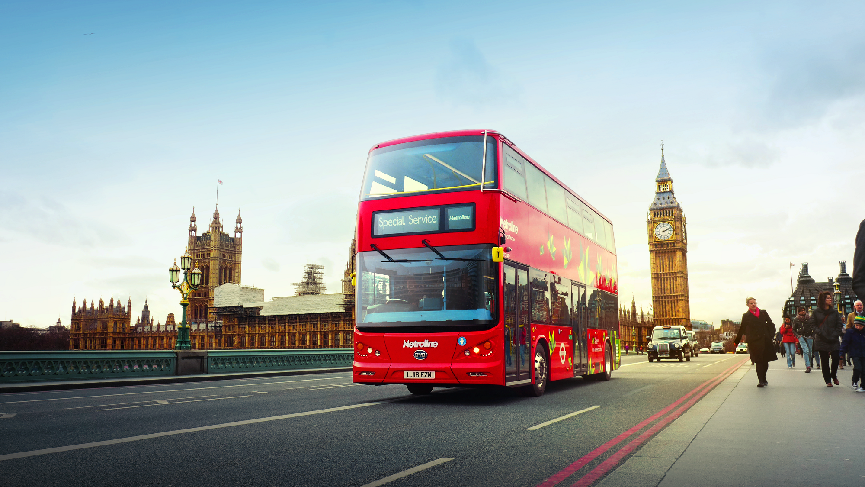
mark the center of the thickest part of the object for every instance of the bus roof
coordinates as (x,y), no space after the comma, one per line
(461,133)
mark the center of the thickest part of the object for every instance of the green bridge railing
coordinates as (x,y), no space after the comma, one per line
(94,365)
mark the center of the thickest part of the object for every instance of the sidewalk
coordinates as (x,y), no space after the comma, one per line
(169,379)
(794,432)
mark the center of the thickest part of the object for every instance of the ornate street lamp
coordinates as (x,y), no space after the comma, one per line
(838,304)
(191,282)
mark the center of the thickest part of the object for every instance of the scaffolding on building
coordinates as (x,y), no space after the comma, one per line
(313,281)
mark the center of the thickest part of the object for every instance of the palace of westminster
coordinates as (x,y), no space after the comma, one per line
(222,314)
(225,315)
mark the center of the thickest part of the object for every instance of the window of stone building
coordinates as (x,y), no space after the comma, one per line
(336,340)
(273,341)
(293,340)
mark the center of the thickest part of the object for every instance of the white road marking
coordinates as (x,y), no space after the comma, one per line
(406,473)
(168,390)
(82,446)
(7,415)
(539,426)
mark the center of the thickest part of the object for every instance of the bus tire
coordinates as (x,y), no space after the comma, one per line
(542,373)
(607,374)
(419,389)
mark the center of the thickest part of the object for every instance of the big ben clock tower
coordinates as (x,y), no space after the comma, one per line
(668,249)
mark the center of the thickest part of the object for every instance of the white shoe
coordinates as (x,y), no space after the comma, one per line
(860,389)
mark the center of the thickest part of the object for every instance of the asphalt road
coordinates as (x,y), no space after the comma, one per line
(323,430)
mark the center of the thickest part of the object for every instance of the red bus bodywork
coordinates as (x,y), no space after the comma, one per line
(531,239)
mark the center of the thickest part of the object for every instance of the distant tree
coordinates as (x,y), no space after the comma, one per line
(19,338)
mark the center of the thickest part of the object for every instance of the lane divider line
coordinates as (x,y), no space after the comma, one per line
(585,460)
(94,444)
(560,418)
(616,458)
(406,473)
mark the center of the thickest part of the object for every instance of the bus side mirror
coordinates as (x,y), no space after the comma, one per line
(498,254)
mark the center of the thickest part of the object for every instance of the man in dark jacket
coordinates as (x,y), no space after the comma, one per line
(805,331)
(758,328)
(859,263)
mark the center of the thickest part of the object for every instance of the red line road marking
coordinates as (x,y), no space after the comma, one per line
(582,462)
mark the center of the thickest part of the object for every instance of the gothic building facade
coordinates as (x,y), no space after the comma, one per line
(807,290)
(634,328)
(100,328)
(218,256)
(668,254)
(223,314)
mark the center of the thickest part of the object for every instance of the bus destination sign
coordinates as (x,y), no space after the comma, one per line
(424,220)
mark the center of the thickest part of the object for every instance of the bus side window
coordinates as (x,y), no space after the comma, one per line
(561,301)
(537,193)
(600,233)
(611,243)
(588,224)
(556,201)
(515,181)
(540,296)
(575,215)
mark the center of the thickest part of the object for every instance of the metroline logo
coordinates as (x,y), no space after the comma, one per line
(425,343)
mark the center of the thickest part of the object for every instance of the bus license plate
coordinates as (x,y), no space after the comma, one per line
(419,374)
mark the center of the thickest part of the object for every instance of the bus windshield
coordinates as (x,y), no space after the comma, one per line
(419,288)
(451,164)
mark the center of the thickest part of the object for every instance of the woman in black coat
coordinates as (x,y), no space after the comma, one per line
(759,331)
(829,326)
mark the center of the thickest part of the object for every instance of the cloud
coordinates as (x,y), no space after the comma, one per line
(270,264)
(46,219)
(468,79)
(804,80)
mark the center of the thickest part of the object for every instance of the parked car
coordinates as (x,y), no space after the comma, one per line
(717,347)
(742,348)
(704,350)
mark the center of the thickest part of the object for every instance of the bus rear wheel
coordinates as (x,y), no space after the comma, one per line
(542,374)
(607,374)
(419,389)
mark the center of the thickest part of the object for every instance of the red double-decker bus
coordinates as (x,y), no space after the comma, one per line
(476,266)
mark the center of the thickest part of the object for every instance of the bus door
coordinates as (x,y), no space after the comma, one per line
(579,322)
(517,332)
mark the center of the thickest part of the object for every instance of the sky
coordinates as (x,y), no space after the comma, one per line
(117,118)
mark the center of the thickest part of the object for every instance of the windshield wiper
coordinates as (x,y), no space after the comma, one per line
(389,258)
(442,257)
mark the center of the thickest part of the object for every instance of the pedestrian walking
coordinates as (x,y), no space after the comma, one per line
(788,341)
(859,262)
(858,310)
(854,344)
(758,330)
(805,331)
(828,325)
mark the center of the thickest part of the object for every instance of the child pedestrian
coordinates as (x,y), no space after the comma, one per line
(854,344)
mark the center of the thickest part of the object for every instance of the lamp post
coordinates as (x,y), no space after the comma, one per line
(838,304)
(191,281)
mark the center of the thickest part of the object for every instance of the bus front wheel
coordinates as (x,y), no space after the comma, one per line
(419,389)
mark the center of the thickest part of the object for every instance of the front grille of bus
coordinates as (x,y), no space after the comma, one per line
(664,348)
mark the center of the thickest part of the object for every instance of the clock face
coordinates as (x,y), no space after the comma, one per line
(664,231)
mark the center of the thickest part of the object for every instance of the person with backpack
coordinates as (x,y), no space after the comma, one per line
(828,326)
(803,329)
(854,344)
